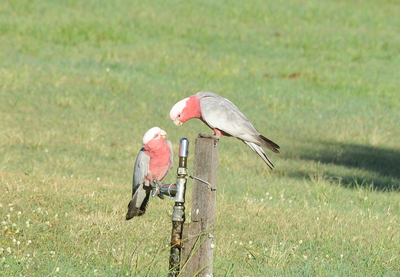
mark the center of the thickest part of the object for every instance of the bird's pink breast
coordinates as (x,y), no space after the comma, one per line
(160,158)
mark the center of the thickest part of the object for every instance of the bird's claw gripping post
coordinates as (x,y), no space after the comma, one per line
(156,189)
(178,214)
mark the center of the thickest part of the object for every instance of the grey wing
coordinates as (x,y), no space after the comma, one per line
(222,114)
(141,168)
(140,191)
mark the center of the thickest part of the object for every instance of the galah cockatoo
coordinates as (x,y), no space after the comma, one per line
(152,163)
(224,118)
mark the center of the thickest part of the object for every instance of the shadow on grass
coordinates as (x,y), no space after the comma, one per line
(368,166)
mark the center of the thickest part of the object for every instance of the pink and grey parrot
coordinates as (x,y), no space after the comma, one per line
(224,118)
(152,163)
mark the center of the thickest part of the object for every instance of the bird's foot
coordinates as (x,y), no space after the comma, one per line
(156,189)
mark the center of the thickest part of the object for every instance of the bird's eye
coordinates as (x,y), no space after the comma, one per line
(179,115)
(156,135)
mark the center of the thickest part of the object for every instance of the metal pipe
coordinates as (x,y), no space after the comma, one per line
(169,189)
(178,214)
(183,152)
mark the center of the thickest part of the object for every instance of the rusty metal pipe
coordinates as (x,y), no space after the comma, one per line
(178,214)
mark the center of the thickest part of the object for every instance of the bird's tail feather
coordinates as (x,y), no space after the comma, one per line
(260,152)
(269,144)
(137,206)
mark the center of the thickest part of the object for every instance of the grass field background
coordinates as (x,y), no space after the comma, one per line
(82,81)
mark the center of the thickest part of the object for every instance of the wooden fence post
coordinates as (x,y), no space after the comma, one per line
(198,235)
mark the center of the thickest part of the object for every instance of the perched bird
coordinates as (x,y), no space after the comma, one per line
(152,163)
(224,118)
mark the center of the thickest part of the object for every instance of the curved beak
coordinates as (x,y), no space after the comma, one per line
(177,123)
(163,134)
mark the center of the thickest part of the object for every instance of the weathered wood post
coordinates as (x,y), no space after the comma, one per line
(198,235)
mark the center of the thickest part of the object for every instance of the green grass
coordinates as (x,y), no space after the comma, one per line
(82,81)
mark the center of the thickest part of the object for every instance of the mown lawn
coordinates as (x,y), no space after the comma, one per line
(82,81)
